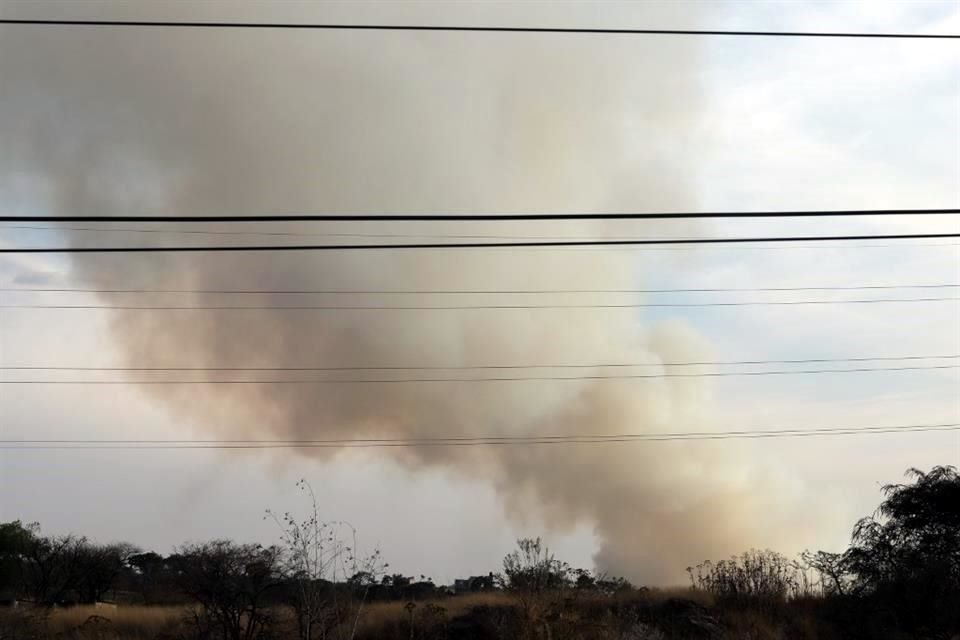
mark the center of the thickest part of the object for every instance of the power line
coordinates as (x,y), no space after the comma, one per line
(467,441)
(491,367)
(482,217)
(484,437)
(477,245)
(658,376)
(501,307)
(483,29)
(473,236)
(469,291)
(296,234)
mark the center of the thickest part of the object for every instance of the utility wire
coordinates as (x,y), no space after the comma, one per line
(502,307)
(454,28)
(295,234)
(471,236)
(479,217)
(484,437)
(476,245)
(469,291)
(466,442)
(658,376)
(693,363)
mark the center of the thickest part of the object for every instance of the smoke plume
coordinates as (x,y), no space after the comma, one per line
(209,122)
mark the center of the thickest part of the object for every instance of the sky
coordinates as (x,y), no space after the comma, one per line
(375,122)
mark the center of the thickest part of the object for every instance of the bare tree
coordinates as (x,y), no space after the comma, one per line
(832,569)
(331,578)
(52,568)
(231,583)
(98,567)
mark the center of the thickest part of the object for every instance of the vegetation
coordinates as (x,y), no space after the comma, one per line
(900,578)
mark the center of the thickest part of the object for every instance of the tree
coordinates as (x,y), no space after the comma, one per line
(331,579)
(57,569)
(533,568)
(396,580)
(150,573)
(832,569)
(231,583)
(98,567)
(536,576)
(52,568)
(586,580)
(906,557)
(15,540)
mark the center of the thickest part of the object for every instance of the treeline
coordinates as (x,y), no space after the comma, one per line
(70,570)
(900,575)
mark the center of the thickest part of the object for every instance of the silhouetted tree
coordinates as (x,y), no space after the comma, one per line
(330,579)
(98,567)
(151,576)
(906,558)
(832,569)
(15,540)
(535,575)
(52,569)
(231,583)
(396,580)
(533,568)
(754,577)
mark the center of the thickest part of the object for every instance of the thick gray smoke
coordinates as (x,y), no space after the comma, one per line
(108,121)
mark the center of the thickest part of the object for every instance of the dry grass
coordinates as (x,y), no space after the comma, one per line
(377,614)
(129,622)
(389,619)
(699,596)
(380,620)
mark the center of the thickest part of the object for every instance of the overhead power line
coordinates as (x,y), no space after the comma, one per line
(864,287)
(476,245)
(293,234)
(504,307)
(178,24)
(468,441)
(418,236)
(483,437)
(481,217)
(657,376)
(601,365)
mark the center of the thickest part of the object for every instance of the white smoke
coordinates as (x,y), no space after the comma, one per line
(209,122)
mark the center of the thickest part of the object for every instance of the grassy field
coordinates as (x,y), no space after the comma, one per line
(127,622)
(491,615)
(673,614)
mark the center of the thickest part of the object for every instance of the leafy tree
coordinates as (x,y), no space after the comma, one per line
(15,539)
(362,579)
(586,580)
(533,568)
(535,575)
(906,557)
(151,573)
(396,580)
(57,569)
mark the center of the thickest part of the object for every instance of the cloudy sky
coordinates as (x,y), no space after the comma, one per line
(213,122)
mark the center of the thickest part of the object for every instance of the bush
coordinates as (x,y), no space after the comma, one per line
(754,577)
